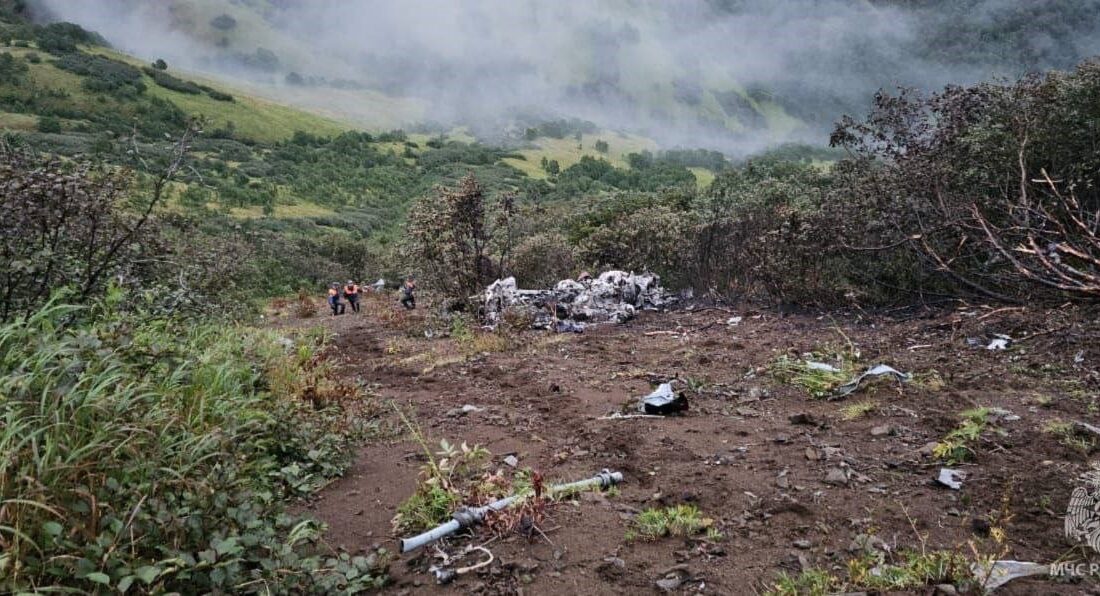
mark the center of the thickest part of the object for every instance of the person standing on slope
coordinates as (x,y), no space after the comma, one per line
(351,293)
(408,298)
(334,301)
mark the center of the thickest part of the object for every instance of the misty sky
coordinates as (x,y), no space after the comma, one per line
(663,68)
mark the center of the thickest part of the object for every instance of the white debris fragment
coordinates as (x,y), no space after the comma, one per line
(999,342)
(998,573)
(733,321)
(951,478)
(876,371)
(821,366)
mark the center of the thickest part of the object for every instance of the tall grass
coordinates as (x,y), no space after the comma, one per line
(150,456)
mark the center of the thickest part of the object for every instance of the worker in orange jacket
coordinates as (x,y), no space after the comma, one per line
(351,293)
(334,301)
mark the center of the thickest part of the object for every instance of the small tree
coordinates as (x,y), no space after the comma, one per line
(160,64)
(459,240)
(602,146)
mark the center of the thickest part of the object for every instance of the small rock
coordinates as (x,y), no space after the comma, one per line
(781,481)
(615,562)
(555,388)
(882,430)
(782,439)
(945,590)
(812,454)
(670,584)
(511,460)
(836,477)
(928,449)
(802,418)
(468,409)
(803,544)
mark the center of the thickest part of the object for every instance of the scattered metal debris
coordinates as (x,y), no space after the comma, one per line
(992,575)
(821,366)
(952,479)
(734,321)
(875,371)
(1002,415)
(614,296)
(568,326)
(999,342)
(664,401)
(443,572)
(467,516)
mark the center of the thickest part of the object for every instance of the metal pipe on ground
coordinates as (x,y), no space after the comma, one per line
(467,516)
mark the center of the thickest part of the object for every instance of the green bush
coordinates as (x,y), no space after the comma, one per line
(139,453)
(102,74)
(49,124)
(170,82)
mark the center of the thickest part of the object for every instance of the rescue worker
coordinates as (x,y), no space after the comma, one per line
(351,294)
(334,301)
(408,298)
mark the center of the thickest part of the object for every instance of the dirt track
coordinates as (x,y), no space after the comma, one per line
(752,453)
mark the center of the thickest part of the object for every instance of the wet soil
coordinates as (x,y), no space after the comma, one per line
(751,452)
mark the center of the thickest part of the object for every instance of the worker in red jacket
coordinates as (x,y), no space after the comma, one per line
(351,294)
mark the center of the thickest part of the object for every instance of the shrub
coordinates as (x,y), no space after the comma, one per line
(650,239)
(993,188)
(49,124)
(218,95)
(459,240)
(170,82)
(161,457)
(12,70)
(102,74)
(543,259)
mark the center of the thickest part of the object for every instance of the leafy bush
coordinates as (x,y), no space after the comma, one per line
(170,82)
(218,95)
(993,188)
(48,124)
(102,74)
(543,259)
(62,38)
(460,240)
(12,70)
(160,457)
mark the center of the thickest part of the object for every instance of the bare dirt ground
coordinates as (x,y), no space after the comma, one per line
(753,453)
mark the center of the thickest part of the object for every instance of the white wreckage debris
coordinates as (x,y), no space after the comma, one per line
(615,296)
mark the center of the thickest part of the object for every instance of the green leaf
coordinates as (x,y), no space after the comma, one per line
(228,546)
(147,574)
(124,583)
(52,529)
(99,578)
